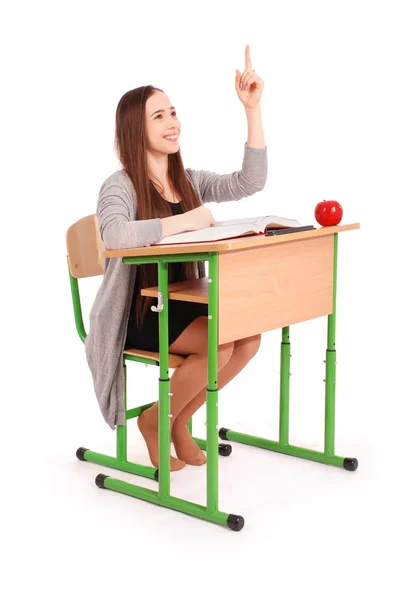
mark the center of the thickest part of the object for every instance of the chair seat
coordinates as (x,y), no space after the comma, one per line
(174,360)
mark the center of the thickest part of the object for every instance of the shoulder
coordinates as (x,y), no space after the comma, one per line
(117,193)
(117,182)
(192,174)
(195,178)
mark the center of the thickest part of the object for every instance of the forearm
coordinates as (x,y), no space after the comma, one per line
(255,129)
(173,225)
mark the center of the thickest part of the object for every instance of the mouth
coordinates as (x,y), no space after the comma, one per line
(171,138)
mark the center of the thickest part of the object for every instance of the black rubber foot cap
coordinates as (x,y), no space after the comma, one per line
(80,453)
(235,522)
(225,449)
(100,480)
(156,476)
(351,464)
(223,433)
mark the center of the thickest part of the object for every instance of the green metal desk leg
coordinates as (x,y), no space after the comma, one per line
(328,457)
(210,512)
(164,387)
(350,464)
(212,439)
(285,386)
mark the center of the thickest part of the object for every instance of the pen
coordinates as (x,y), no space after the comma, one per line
(289,230)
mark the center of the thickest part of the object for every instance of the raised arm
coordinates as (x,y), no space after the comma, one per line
(253,175)
(234,186)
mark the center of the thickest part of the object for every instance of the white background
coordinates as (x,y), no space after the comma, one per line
(331,120)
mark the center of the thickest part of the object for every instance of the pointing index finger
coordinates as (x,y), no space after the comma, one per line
(248,64)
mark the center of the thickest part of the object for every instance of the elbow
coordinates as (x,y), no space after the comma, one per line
(255,182)
(255,186)
(263,184)
(259,186)
(111,238)
(261,181)
(119,235)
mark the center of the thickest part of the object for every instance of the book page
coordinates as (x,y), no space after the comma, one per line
(245,221)
(275,221)
(209,234)
(260,222)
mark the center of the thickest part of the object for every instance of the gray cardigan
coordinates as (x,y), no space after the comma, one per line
(116,212)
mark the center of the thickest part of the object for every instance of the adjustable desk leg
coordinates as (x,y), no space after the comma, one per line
(210,512)
(330,381)
(212,438)
(328,457)
(285,386)
(164,388)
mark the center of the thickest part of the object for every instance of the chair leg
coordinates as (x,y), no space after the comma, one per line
(120,461)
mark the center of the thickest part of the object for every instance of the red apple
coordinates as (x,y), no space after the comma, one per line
(328,212)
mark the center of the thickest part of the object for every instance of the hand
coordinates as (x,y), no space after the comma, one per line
(252,84)
(198,218)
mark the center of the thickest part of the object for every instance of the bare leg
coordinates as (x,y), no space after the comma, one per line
(185,446)
(186,383)
(147,424)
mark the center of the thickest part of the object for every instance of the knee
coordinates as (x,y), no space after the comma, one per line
(249,345)
(225,352)
(255,343)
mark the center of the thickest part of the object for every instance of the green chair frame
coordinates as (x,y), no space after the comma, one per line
(83,259)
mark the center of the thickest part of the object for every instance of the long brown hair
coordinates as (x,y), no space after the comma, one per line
(131,145)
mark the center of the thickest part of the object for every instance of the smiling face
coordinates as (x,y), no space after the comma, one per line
(162,122)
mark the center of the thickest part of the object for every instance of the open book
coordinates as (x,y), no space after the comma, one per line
(223,230)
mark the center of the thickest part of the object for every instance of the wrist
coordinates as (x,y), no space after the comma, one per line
(252,109)
(183,221)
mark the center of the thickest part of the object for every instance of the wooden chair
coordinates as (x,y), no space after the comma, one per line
(84,259)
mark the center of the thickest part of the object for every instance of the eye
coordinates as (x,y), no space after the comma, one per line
(160,115)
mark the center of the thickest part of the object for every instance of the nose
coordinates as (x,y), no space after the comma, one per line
(173,121)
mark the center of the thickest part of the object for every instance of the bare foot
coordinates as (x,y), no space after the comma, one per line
(148,429)
(186,447)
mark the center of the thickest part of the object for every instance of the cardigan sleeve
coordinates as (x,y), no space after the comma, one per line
(117,230)
(234,186)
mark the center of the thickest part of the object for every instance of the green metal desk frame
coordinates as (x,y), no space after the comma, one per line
(162,497)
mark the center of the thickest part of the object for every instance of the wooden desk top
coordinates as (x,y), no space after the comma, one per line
(251,241)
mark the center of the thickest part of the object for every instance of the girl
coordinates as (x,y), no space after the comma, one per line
(153,196)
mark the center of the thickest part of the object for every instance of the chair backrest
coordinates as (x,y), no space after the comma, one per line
(84,246)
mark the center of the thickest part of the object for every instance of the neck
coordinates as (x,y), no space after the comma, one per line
(158,167)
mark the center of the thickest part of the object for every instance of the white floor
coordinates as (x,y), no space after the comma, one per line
(331,118)
(311,530)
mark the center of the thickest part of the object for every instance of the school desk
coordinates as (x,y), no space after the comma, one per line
(254,284)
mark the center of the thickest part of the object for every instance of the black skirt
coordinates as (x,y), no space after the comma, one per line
(180,314)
